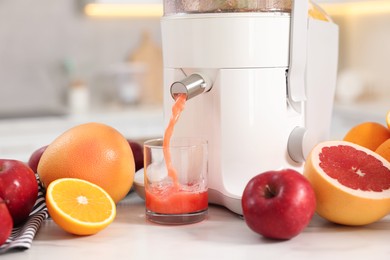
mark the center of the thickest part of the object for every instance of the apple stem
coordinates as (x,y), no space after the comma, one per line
(269,192)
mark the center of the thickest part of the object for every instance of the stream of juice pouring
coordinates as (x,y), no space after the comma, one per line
(177,108)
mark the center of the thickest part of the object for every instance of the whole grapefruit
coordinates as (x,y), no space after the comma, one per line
(93,152)
(351,182)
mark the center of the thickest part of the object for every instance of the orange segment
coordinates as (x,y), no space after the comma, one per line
(79,207)
(369,135)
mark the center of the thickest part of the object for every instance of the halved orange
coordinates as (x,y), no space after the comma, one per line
(79,207)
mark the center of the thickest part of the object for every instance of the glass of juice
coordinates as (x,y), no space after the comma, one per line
(176,180)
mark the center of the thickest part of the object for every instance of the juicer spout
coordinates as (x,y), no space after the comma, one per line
(192,86)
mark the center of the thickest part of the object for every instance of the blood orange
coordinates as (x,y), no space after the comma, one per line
(352,183)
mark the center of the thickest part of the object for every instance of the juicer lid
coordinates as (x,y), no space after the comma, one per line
(173,7)
(225,6)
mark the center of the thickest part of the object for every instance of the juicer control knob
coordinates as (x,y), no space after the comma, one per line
(295,144)
(192,86)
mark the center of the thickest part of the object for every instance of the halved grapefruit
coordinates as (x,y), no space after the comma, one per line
(352,183)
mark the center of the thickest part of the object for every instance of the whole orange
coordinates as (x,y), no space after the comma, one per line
(368,134)
(93,152)
(384,150)
(388,119)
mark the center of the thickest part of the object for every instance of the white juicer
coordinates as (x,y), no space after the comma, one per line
(260,78)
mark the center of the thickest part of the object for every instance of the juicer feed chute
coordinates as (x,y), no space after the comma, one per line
(260,79)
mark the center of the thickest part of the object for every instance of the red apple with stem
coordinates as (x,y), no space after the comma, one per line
(6,222)
(18,189)
(278,204)
(35,157)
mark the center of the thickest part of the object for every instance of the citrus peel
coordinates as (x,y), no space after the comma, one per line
(368,134)
(347,191)
(94,152)
(79,207)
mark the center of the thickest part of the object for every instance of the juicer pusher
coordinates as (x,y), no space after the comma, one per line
(260,85)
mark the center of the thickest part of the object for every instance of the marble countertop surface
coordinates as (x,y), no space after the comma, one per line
(223,235)
(19,137)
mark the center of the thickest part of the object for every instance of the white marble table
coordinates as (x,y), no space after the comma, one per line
(223,235)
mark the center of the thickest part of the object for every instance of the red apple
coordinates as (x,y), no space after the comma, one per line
(35,157)
(18,188)
(6,222)
(138,153)
(278,204)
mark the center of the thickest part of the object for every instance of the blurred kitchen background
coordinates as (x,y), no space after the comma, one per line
(54,58)
(99,60)
(363,87)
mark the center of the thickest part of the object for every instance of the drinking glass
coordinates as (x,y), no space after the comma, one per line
(176,181)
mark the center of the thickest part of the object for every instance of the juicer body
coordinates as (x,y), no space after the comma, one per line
(248,116)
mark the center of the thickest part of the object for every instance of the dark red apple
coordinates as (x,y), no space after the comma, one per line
(18,188)
(138,153)
(6,222)
(278,204)
(35,157)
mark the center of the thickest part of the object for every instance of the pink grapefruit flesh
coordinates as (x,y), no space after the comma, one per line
(352,183)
